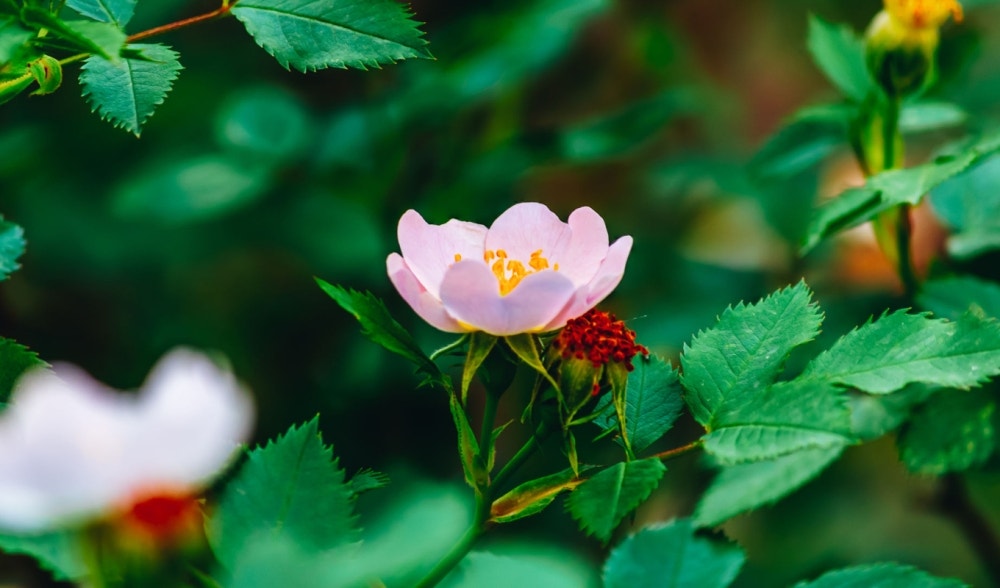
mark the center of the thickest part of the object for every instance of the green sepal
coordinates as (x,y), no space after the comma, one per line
(533,496)
(617,376)
(480,345)
(9,89)
(476,474)
(569,442)
(525,346)
(47,71)
(578,384)
(491,458)
(106,40)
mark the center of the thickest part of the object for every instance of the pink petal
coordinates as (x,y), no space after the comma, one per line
(586,248)
(430,249)
(608,276)
(525,228)
(471,294)
(419,298)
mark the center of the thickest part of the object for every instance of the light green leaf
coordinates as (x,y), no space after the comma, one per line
(308,35)
(15,360)
(970,206)
(601,502)
(884,575)
(911,349)
(951,432)
(106,40)
(731,364)
(292,488)
(952,297)
(804,141)
(379,326)
(840,53)
(266,123)
(743,443)
(671,555)
(480,568)
(118,12)
(741,488)
(892,188)
(127,90)
(652,403)
(11,248)
(13,37)
(58,552)
(875,415)
(921,117)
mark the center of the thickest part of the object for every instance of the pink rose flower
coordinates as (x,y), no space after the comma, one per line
(528,273)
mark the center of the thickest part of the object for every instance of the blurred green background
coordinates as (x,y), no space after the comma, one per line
(250,180)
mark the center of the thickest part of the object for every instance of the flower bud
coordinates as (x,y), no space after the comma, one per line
(902,40)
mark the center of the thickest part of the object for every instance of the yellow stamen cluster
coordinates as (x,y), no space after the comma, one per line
(510,272)
(921,14)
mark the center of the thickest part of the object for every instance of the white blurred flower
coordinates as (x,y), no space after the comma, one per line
(73,450)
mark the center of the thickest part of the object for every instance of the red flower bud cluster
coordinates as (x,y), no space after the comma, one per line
(600,337)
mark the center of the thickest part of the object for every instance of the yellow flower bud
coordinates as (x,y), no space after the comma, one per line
(923,14)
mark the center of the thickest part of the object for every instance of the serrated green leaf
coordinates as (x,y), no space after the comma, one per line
(127,91)
(15,360)
(951,432)
(741,488)
(308,35)
(379,326)
(292,488)
(671,555)
(803,141)
(533,496)
(884,575)
(911,348)
(58,552)
(106,40)
(955,296)
(744,443)
(875,415)
(727,366)
(653,402)
(118,12)
(892,188)
(11,248)
(601,502)
(840,53)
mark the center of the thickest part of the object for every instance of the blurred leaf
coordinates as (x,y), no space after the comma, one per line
(970,205)
(951,432)
(15,360)
(601,502)
(892,188)
(730,364)
(473,464)
(57,552)
(671,555)
(190,190)
(127,90)
(103,39)
(533,496)
(955,296)
(481,568)
(840,53)
(118,12)
(885,575)
(653,402)
(921,117)
(367,480)
(874,416)
(10,89)
(11,248)
(311,35)
(911,349)
(616,134)
(13,36)
(379,326)
(744,487)
(803,141)
(292,487)
(265,122)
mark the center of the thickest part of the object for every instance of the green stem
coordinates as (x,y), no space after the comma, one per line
(526,451)
(92,561)
(486,430)
(449,347)
(173,26)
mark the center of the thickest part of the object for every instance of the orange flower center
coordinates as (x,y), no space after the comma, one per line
(919,14)
(510,272)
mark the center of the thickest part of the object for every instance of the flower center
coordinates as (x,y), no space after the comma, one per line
(510,272)
(163,518)
(921,14)
(598,337)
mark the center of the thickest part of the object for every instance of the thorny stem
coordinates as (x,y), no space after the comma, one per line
(173,26)
(953,502)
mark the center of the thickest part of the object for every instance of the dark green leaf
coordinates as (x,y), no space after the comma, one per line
(11,248)
(652,403)
(874,416)
(13,37)
(970,206)
(127,90)
(671,555)
(473,465)
(291,488)
(911,349)
(15,359)
(367,480)
(532,497)
(885,575)
(804,141)
(840,53)
(601,502)
(308,35)
(955,296)
(57,552)
(741,488)
(106,40)
(118,12)
(379,326)
(267,123)
(951,432)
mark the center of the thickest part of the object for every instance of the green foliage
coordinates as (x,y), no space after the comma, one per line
(15,359)
(744,487)
(953,431)
(532,496)
(309,35)
(671,555)
(473,465)
(106,40)
(11,247)
(118,12)
(379,326)
(911,348)
(57,552)
(293,488)
(970,206)
(267,124)
(806,139)
(954,296)
(128,89)
(840,53)
(480,346)
(881,576)
(367,480)
(488,569)
(892,188)
(601,502)
(653,402)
